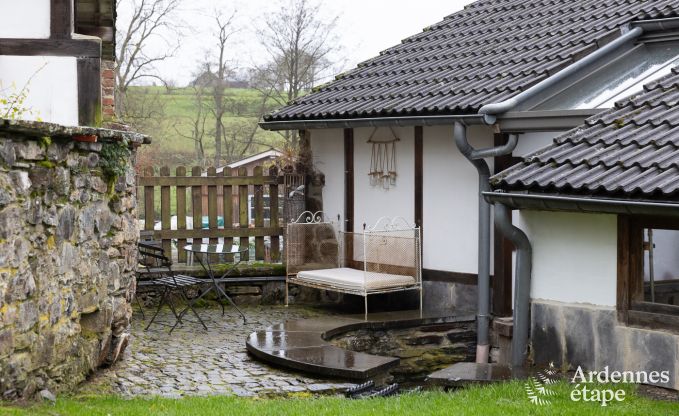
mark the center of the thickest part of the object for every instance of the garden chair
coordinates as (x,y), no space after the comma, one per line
(155,270)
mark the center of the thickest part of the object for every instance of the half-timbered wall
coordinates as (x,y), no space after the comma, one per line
(59,72)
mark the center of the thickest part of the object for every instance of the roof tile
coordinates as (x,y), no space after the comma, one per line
(491,50)
(631,150)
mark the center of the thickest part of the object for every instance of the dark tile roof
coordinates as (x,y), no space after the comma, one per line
(488,52)
(631,150)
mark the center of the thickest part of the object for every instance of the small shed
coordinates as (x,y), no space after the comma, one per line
(266,159)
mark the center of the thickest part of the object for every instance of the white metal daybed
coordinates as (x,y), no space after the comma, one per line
(380,259)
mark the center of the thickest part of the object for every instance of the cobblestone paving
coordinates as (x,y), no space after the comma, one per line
(191,361)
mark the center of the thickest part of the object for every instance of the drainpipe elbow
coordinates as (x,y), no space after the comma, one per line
(498,108)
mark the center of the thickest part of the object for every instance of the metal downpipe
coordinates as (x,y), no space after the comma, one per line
(476,158)
(524,266)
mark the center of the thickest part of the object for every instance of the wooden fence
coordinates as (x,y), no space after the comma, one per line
(187,192)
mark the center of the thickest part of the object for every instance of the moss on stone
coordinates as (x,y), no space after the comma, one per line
(46,164)
(45,141)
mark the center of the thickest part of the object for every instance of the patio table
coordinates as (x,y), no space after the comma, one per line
(203,252)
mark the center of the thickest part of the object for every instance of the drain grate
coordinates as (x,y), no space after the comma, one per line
(368,390)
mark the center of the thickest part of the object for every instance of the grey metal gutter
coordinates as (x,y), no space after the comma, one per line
(552,120)
(582,204)
(491,111)
(524,266)
(371,122)
(476,156)
(656,25)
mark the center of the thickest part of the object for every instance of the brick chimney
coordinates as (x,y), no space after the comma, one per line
(108,83)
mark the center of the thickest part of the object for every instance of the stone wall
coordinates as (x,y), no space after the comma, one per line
(571,335)
(67,255)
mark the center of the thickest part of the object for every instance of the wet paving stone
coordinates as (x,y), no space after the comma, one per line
(194,362)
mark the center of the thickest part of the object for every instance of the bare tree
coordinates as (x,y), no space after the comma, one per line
(300,43)
(218,70)
(148,19)
(197,124)
(145,110)
(240,136)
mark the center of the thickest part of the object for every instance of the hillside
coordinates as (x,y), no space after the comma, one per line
(168,116)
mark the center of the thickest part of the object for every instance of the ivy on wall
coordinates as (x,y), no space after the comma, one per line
(113,160)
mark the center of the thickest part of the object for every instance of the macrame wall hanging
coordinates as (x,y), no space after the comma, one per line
(383,161)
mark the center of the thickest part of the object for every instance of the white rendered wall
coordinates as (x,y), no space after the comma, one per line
(574,256)
(25,19)
(450,191)
(327,147)
(51,82)
(373,202)
(530,142)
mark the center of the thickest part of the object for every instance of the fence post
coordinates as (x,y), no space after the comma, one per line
(227,204)
(165,211)
(181,215)
(197,203)
(243,212)
(273,215)
(212,203)
(149,211)
(259,211)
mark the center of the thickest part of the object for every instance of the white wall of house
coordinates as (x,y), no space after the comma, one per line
(50,82)
(574,256)
(327,148)
(372,202)
(530,142)
(28,19)
(450,188)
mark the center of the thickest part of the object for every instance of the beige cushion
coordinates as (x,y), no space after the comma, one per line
(352,279)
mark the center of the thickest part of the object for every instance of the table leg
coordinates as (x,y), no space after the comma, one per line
(220,292)
(223,293)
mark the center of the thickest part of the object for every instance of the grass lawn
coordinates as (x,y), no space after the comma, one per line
(501,399)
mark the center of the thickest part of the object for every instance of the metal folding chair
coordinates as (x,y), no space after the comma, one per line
(156,270)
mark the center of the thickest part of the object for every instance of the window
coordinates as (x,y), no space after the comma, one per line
(648,272)
(621,77)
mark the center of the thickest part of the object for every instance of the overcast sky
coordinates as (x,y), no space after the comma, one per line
(365,28)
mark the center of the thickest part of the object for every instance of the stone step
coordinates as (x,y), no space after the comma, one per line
(302,345)
(462,374)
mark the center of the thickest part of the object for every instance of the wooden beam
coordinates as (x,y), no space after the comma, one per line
(89,92)
(449,277)
(349,180)
(105,33)
(61,19)
(207,180)
(419,178)
(84,48)
(622,290)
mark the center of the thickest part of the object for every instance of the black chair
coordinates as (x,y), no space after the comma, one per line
(155,271)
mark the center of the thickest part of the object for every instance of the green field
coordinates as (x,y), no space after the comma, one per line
(167,116)
(505,399)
